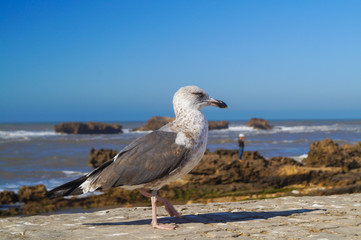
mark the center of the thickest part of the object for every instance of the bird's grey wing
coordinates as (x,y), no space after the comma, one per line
(148,158)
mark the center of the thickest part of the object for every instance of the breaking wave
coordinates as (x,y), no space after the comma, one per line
(25,135)
(296,129)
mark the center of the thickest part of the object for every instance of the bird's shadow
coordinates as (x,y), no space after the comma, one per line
(216,217)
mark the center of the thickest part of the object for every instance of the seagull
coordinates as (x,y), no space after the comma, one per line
(160,157)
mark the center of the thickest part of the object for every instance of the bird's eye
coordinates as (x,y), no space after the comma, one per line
(199,94)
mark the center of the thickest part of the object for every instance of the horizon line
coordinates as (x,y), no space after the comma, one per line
(230,120)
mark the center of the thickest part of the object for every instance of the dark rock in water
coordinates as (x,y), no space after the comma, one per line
(259,123)
(155,123)
(212,125)
(8,197)
(87,128)
(98,157)
(327,153)
(32,193)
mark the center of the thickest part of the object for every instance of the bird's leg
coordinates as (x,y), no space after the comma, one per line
(145,193)
(153,199)
(154,223)
(168,206)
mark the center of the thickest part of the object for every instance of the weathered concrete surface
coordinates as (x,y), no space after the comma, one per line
(322,217)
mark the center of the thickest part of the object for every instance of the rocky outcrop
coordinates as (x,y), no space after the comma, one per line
(154,123)
(100,156)
(157,122)
(8,197)
(87,128)
(259,123)
(213,125)
(327,153)
(31,193)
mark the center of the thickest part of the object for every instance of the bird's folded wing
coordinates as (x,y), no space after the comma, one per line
(146,159)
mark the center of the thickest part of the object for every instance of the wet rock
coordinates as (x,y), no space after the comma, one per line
(213,125)
(100,156)
(327,153)
(157,122)
(8,197)
(259,123)
(154,123)
(87,128)
(32,193)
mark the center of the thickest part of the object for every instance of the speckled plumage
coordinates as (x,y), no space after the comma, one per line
(191,127)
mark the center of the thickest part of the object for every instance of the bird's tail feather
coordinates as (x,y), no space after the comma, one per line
(74,187)
(69,188)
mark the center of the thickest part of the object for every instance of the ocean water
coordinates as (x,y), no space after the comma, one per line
(34,154)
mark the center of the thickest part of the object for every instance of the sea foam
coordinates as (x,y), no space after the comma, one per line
(25,135)
(294,129)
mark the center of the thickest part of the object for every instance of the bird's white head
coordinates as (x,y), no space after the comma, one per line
(194,98)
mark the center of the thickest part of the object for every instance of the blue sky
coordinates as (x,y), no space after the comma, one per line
(123,60)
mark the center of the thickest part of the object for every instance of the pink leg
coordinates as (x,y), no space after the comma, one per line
(153,199)
(145,193)
(168,206)
(154,223)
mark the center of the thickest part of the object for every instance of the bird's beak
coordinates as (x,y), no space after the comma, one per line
(217,103)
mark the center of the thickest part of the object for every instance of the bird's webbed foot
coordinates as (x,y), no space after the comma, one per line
(163,226)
